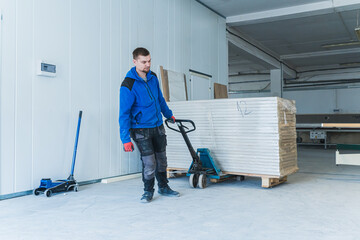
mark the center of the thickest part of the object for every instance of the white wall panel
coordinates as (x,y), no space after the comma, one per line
(24,81)
(186,39)
(223,47)
(50,101)
(85,84)
(91,47)
(172,39)
(115,39)
(201,34)
(125,64)
(348,100)
(312,102)
(160,53)
(105,83)
(326,101)
(8,89)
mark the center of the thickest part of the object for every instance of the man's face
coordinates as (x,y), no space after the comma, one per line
(142,63)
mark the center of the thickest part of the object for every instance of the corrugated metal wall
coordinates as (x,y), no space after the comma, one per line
(90,41)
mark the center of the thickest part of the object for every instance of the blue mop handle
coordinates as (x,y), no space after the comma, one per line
(76,143)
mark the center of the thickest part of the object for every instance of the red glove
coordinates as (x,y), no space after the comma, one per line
(129,147)
(173,118)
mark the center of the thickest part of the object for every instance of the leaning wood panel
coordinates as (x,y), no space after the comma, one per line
(220,91)
(250,135)
(165,83)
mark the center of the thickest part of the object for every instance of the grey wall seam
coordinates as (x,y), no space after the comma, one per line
(15,92)
(218,50)
(168,41)
(130,17)
(70,63)
(118,130)
(110,104)
(32,96)
(100,89)
(154,31)
(174,35)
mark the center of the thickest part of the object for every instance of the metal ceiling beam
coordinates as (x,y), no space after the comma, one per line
(327,77)
(304,10)
(258,53)
(326,67)
(320,53)
(331,71)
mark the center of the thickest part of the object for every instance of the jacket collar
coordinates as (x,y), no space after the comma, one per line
(134,75)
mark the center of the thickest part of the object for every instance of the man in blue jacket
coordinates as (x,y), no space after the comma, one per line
(141,105)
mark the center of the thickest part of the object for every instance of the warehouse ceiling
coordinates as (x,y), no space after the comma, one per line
(305,35)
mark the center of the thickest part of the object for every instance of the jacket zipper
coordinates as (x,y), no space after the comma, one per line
(152,98)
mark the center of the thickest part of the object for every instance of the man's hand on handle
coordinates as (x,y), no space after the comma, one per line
(129,147)
(173,118)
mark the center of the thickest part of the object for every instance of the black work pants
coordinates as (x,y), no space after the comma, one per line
(152,145)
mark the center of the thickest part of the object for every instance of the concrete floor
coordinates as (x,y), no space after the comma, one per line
(321,201)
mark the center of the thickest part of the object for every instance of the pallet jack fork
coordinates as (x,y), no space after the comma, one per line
(203,165)
(48,187)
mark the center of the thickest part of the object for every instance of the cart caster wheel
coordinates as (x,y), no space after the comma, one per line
(202,181)
(36,192)
(76,189)
(193,180)
(48,193)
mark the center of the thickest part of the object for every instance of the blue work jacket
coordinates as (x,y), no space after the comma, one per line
(141,103)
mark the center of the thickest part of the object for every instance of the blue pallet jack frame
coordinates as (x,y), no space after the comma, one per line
(48,187)
(203,165)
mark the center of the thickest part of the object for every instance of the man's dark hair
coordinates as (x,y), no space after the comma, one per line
(140,51)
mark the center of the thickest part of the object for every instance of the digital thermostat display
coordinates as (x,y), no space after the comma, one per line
(45,67)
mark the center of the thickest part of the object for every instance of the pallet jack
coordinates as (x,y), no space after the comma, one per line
(48,187)
(203,164)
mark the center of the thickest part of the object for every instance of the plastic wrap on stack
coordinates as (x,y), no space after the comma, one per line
(247,135)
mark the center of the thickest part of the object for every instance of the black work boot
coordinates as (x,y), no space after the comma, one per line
(148,190)
(147,196)
(167,191)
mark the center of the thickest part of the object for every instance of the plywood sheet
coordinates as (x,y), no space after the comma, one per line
(220,91)
(165,83)
(173,85)
(177,86)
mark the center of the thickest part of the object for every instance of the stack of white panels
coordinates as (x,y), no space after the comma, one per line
(247,135)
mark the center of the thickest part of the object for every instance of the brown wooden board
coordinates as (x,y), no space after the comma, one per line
(165,83)
(220,91)
(186,88)
(341,125)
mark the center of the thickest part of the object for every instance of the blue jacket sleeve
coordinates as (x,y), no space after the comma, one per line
(164,107)
(127,99)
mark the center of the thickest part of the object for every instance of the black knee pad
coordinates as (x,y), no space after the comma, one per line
(149,163)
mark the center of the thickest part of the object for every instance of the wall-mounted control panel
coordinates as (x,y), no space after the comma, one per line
(46,69)
(317,135)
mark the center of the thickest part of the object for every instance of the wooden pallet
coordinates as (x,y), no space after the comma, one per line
(176,172)
(267,181)
(214,180)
